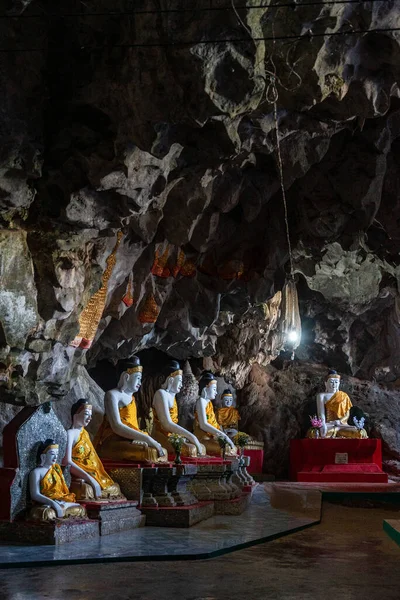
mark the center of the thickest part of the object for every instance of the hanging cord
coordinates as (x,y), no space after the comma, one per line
(272,96)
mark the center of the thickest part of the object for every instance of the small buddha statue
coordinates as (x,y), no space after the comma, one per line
(206,426)
(49,490)
(85,465)
(119,436)
(227,415)
(165,413)
(333,408)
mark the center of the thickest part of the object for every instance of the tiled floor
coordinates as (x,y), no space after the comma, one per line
(214,536)
(347,557)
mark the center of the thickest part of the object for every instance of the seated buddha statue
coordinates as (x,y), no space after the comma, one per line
(85,465)
(119,436)
(333,408)
(49,490)
(206,426)
(165,414)
(227,415)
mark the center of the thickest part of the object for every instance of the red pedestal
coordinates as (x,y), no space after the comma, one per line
(315,460)
(256,460)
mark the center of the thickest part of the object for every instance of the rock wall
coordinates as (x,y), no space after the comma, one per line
(142,123)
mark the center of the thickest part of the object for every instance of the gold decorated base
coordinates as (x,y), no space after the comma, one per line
(46,513)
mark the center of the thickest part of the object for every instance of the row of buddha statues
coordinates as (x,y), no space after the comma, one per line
(120,438)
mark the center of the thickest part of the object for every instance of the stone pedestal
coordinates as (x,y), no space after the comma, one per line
(58,532)
(128,476)
(235,506)
(179,483)
(115,516)
(179,516)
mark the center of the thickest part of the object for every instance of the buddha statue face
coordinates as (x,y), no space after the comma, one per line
(83,417)
(332,385)
(227,400)
(174,384)
(211,391)
(135,381)
(49,458)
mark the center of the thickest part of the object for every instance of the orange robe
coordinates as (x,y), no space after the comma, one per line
(211,444)
(228,417)
(53,485)
(161,435)
(110,445)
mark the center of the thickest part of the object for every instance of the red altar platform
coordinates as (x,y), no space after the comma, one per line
(256,459)
(337,460)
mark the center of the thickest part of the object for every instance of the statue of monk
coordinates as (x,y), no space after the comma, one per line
(333,408)
(48,488)
(119,436)
(84,461)
(228,416)
(206,426)
(165,413)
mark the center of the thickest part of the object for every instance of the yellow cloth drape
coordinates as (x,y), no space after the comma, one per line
(228,416)
(85,456)
(110,445)
(173,413)
(211,420)
(53,485)
(128,416)
(338,407)
(161,435)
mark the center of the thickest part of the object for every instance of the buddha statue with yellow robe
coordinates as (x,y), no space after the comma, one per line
(227,415)
(90,480)
(165,414)
(206,427)
(333,408)
(119,436)
(49,490)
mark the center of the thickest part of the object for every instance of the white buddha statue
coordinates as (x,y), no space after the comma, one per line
(228,415)
(165,412)
(91,480)
(206,426)
(49,490)
(333,408)
(120,437)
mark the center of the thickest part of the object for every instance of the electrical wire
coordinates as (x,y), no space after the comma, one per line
(309,35)
(292,4)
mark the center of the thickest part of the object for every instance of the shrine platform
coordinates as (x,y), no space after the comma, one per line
(337,461)
(218,535)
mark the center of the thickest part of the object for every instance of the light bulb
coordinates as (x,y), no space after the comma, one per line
(292,336)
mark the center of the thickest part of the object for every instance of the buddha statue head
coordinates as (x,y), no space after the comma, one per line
(48,453)
(81,413)
(174,377)
(130,375)
(332,383)
(208,386)
(227,398)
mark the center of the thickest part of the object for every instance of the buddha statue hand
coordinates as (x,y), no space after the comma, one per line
(160,450)
(140,443)
(58,508)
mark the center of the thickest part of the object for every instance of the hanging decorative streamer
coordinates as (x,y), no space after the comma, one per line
(128,299)
(89,318)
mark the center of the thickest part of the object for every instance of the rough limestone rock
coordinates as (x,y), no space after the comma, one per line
(162,127)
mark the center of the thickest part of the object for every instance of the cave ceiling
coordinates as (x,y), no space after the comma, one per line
(124,135)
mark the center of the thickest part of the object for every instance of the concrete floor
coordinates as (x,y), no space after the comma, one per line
(347,557)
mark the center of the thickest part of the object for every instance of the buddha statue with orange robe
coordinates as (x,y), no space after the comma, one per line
(119,436)
(49,490)
(333,408)
(228,415)
(90,480)
(206,427)
(165,414)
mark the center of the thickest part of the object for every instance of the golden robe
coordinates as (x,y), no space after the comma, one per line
(338,409)
(53,485)
(110,445)
(85,456)
(228,417)
(161,435)
(211,444)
